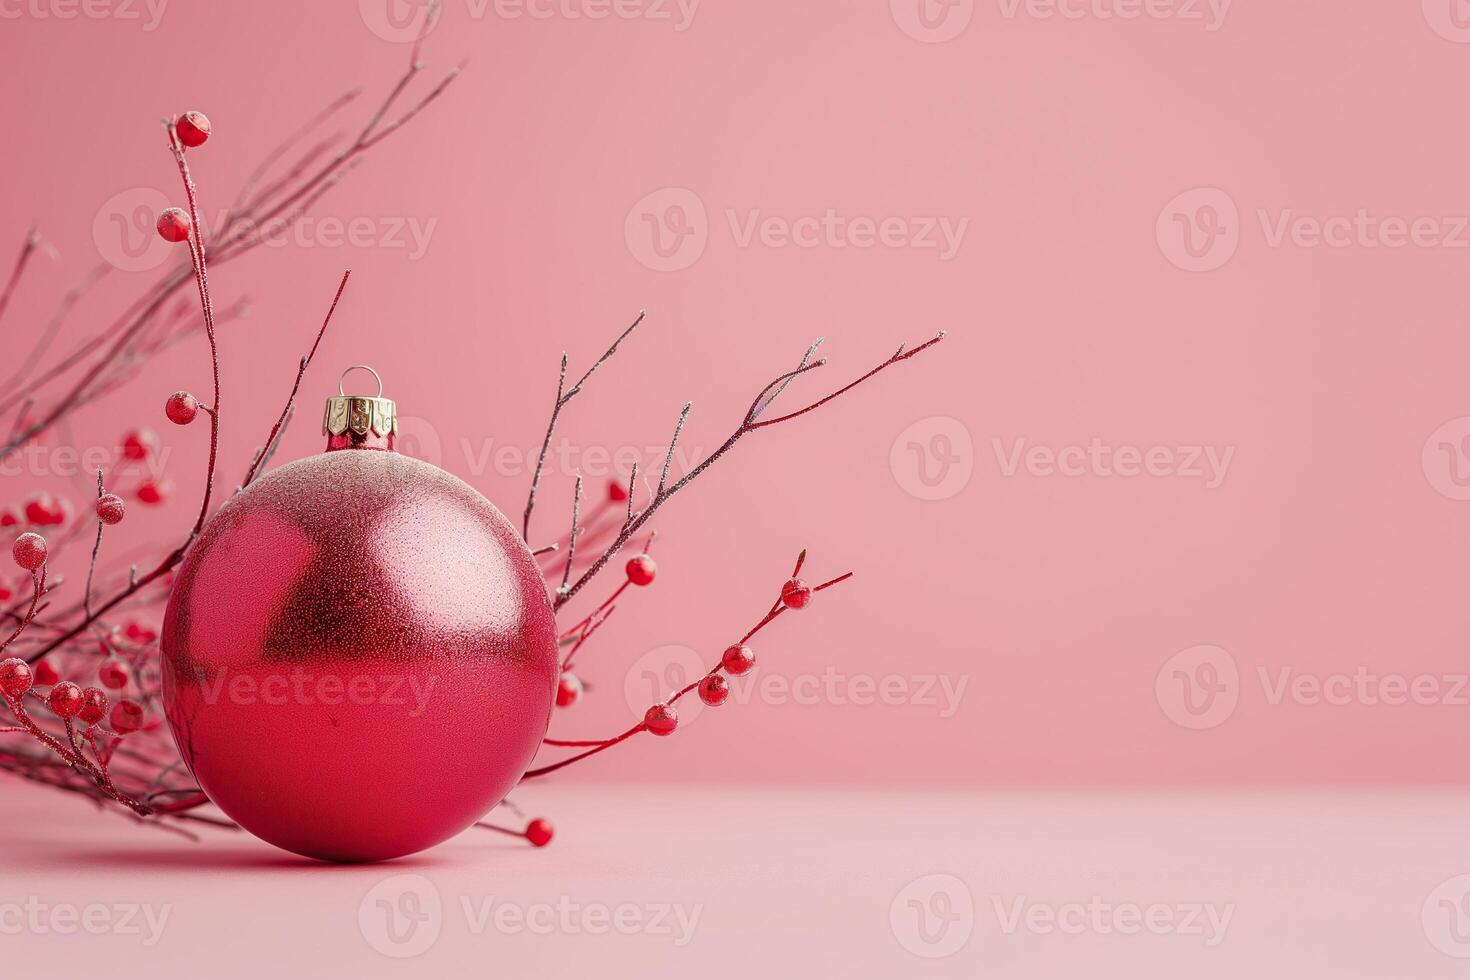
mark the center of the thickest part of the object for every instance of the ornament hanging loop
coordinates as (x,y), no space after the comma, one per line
(360,367)
(360,421)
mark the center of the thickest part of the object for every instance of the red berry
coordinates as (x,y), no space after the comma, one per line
(8,518)
(29,551)
(127,716)
(15,677)
(110,508)
(5,593)
(152,493)
(738,659)
(45,510)
(94,706)
(181,408)
(641,570)
(540,832)
(616,491)
(140,443)
(173,225)
(714,689)
(140,632)
(568,690)
(661,719)
(65,699)
(193,128)
(113,674)
(45,672)
(796,594)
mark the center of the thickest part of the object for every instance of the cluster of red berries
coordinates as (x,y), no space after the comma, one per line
(66,699)
(714,689)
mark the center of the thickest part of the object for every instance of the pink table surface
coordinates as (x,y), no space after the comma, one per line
(716,881)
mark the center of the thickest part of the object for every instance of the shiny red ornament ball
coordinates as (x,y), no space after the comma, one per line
(45,672)
(359,655)
(738,659)
(540,832)
(714,689)
(193,128)
(661,719)
(15,677)
(139,444)
(113,674)
(65,699)
(173,225)
(110,508)
(127,717)
(568,690)
(796,594)
(181,408)
(94,706)
(641,570)
(29,551)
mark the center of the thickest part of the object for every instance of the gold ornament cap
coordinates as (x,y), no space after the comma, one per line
(360,421)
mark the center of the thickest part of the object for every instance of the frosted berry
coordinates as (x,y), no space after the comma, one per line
(616,492)
(193,128)
(140,632)
(738,659)
(29,551)
(113,674)
(641,570)
(45,672)
(127,716)
(181,408)
(65,699)
(150,492)
(661,719)
(540,832)
(45,510)
(94,706)
(173,225)
(110,508)
(15,677)
(796,594)
(714,689)
(568,690)
(140,444)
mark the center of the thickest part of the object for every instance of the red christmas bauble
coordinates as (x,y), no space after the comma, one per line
(359,654)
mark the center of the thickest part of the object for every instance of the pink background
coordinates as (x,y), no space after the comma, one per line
(1333,543)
